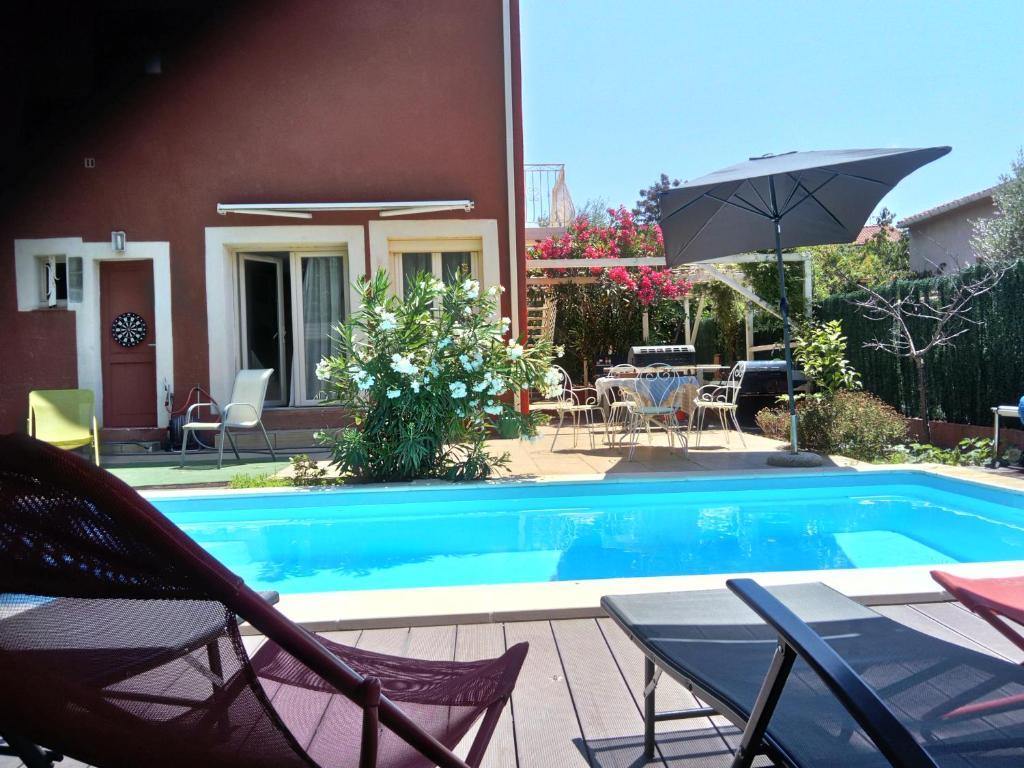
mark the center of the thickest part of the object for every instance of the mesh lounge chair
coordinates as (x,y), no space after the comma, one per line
(245,411)
(119,646)
(65,418)
(815,679)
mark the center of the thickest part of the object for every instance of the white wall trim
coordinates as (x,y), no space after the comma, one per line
(88,330)
(222,243)
(486,230)
(513,252)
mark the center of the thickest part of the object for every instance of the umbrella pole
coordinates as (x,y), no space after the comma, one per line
(784,308)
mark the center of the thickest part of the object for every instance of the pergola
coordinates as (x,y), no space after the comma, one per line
(703,271)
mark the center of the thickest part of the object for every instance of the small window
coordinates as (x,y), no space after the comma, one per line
(53,281)
(442,258)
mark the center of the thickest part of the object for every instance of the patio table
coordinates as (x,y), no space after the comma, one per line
(660,387)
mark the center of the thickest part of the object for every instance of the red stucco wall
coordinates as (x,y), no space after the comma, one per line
(298,101)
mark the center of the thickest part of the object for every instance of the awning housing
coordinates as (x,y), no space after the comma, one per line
(306,210)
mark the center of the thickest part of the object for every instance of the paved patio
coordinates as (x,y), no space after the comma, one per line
(578,702)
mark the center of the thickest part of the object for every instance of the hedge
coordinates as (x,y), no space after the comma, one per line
(983,368)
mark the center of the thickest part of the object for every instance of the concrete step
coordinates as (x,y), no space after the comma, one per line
(133,448)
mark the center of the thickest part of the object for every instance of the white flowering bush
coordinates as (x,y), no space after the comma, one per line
(426,377)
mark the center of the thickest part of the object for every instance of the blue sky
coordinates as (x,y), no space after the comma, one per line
(622,91)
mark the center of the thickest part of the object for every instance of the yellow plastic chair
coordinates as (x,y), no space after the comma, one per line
(65,418)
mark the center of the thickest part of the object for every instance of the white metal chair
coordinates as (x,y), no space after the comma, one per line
(571,400)
(720,398)
(618,405)
(646,409)
(245,411)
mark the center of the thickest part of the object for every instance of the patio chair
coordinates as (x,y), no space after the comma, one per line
(572,401)
(120,646)
(65,418)
(245,411)
(720,398)
(618,405)
(812,678)
(646,410)
(994,600)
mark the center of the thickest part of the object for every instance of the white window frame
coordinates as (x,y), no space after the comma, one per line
(44,264)
(283,375)
(435,247)
(293,378)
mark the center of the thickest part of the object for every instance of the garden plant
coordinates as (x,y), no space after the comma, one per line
(425,378)
(837,418)
(603,311)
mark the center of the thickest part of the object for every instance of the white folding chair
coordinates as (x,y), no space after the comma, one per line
(245,411)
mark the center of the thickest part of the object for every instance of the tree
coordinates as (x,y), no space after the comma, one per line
(884,257)
(646,209)
(1001,238)
(920,322)
(601,309)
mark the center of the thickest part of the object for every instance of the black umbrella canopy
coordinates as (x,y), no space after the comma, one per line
(782,201)
(818,197)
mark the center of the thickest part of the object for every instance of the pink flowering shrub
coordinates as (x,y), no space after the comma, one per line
(622,238)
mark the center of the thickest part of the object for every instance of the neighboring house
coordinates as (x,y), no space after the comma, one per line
(941,237)
(870,231)
(392,130)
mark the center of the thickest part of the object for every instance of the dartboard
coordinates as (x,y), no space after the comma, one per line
(128,329)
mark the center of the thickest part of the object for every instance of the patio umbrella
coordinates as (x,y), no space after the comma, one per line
(782,201)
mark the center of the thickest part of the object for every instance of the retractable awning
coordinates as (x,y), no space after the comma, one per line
(306,210)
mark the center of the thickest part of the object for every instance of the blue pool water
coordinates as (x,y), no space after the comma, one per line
(350,539)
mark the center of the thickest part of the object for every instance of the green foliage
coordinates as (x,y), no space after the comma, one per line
(605,314)
(1001,238)
(965,379)
(424,377)
(969,452)
(306,471)
(763,279)
(852,424)
(258,481)
(820,351)
(591,320)
(646,209)
(727,311)
(883,258)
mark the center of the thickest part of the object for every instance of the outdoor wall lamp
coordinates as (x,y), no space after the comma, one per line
(118,240)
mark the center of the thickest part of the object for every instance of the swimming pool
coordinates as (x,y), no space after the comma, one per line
(382,538)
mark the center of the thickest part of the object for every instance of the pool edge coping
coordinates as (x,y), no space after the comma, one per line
(387,608)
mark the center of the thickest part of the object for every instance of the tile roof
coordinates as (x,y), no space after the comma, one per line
(871,230)
(952,205)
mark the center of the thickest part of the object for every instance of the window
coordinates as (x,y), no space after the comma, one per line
(53,281)
(444,259)
(290,303)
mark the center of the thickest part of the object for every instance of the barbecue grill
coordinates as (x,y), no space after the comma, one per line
(671,354)
(762,384)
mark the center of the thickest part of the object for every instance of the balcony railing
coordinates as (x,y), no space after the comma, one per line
(548,202)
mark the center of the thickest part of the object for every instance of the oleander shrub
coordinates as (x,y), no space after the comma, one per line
(426,377)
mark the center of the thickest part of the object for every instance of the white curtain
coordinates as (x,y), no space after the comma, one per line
(323,307)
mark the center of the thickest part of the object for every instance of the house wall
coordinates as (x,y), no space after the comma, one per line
(946,239)
(317,101)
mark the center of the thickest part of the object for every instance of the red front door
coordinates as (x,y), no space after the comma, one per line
(128,347)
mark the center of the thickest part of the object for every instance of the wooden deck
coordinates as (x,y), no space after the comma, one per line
(578,701)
